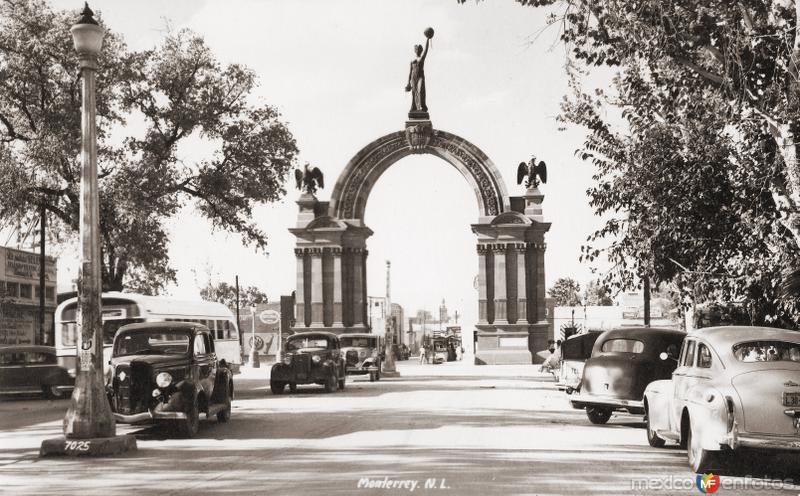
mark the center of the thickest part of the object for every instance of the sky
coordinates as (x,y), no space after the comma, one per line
(336,70)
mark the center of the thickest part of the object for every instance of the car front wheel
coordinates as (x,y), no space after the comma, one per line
(189,426)
(224,415)
(598,414)
(52,392)
(277,386)
(652,438)
(330,383)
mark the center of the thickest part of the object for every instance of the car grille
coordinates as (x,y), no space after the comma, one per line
(352,357)
(130,394)
(122,390)
(301,363)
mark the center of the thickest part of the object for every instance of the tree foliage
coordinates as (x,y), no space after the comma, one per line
(175,127)
(226,294)
(566,291)
(699,182)
(597,294)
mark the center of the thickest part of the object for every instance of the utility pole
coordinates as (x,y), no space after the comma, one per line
(388,363)
(238,322)
(42,282)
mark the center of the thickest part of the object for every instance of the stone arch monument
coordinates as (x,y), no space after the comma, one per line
(331,247)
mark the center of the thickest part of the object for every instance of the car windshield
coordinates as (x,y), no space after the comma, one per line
(621,345)
(767,351)
(357,342)
(306,344)
(158,341)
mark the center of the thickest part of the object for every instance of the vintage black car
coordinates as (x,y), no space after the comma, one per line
(310,358)
(34,369)
(623,362)
(168,371)
(362,354)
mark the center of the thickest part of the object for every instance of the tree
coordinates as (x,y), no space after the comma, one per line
(566,292)
(181,97)
(597,294)
(700,182)
(744,55)
(226,294)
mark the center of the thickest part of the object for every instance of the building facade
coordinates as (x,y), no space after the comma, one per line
(19,298)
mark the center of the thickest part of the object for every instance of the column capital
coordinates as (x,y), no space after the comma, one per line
(299,252)
(521,247)
(499,247)
(484,249)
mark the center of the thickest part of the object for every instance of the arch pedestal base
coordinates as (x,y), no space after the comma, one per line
(510,344)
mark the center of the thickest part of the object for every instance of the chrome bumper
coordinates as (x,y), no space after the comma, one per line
(137,418)
(762,441)
(582,400)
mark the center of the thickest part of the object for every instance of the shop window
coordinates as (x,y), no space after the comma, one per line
(12,289)
(25,291)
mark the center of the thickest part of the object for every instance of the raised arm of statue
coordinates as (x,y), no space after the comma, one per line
(425,52)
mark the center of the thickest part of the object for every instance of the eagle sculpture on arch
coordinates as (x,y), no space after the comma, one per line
(533,171)
(308,180)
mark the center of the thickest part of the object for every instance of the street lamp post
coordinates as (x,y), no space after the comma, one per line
(254,361)
(89,425)
(389,369)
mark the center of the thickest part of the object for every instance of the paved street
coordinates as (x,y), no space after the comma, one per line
(466,429)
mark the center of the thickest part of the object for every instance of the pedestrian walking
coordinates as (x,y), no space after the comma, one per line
(421,354)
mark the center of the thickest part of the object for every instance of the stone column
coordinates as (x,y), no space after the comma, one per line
(337,287)
(500,307)
(299,299)
(357,264)
(522,294)
(482,304)
(317,305)
(539,282)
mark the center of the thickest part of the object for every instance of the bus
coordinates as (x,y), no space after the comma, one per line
(119,309)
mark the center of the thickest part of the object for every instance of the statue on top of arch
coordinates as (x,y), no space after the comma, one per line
(308,180)
(416,79)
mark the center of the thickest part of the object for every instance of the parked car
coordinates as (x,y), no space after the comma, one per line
(168,371)
(734,387)
(574,353)
(361,353)
(26,369)
(623,362)
(310,358)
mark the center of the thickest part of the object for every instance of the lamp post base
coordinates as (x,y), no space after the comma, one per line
(391,373)
(99,446)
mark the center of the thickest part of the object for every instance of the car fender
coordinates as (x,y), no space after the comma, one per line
(658,396)
(708,415)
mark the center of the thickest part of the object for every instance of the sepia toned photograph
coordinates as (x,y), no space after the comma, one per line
(439,247)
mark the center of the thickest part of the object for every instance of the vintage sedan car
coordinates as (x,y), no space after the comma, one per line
(734,387)
(26,369)
(361,354)
(310,358)
(574,353)
(623,362)
(168,371)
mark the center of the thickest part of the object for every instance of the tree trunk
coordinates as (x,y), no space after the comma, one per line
(785,137)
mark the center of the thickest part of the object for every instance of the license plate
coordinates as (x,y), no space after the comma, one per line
(791,399)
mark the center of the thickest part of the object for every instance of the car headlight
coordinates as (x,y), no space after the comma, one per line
(362,353)
(163,379)
(316,358)
(287,359)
